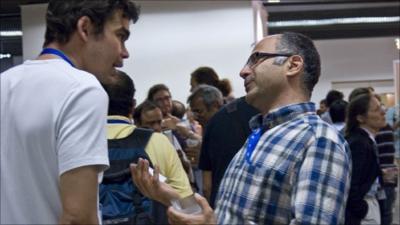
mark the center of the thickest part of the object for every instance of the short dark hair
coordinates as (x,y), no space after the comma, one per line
(178,109)
(225,87)
(121,91)
(359,91)
(358,106)
(156,88)
(332,96)
(63,15)
(208,93)
(299,44)
(206,75)
(337,111)
(143,107)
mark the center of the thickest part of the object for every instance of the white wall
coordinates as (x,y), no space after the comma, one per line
(172,38)
(33,28)
(353,60)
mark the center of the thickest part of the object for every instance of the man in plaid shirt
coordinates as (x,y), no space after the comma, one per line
(294,168)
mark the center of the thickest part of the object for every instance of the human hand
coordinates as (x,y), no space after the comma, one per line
(206,217)
(149,185)
(390,174)
(170,122)
(182,130)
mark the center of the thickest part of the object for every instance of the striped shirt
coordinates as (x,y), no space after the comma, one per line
(299,173)
(384,139)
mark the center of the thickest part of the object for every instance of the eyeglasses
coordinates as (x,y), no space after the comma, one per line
(256,56)
(162,99)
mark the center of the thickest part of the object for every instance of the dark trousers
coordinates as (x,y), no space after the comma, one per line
(386,205)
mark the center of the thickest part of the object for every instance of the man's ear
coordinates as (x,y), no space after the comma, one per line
(295,64)
(84,27)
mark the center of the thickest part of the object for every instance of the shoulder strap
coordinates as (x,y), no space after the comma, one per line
(142,136)
(123,152)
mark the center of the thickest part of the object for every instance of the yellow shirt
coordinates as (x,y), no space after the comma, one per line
(161,153)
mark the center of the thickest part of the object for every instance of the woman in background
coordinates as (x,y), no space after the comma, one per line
(365,118)
(207,75)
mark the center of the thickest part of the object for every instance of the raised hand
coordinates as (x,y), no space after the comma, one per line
(149,185)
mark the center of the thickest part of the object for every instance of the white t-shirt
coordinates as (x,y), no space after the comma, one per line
(53,119)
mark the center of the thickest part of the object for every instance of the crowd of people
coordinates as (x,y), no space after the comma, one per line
(87,153)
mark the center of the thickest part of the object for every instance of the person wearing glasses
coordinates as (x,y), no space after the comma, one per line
(294,168)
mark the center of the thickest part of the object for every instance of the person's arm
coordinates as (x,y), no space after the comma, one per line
(360,152)
(206,217)
(82,151)
(322,184)
(149,185)
(162,153)
(78,189)
(207,185)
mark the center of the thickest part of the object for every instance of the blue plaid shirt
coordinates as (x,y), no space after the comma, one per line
(299,173)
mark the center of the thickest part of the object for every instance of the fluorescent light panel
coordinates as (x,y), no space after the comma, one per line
(320,22)
(11,33)
(5,56)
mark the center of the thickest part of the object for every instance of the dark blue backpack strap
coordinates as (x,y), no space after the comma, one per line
(142,137)
(121,155)
(117,181)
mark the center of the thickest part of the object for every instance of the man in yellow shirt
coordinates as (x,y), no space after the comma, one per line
(121,201)
(160,151)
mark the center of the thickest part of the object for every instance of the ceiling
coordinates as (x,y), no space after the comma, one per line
(286,10)
(328,11)
(11,7)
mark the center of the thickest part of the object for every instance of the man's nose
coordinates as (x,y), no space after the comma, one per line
(125,53)
(246,71)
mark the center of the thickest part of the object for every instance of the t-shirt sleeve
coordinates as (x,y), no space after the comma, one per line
(162,153)
(81,136)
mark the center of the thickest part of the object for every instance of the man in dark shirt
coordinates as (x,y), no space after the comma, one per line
(225,134)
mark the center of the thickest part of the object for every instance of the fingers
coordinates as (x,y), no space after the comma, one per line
(202,202)
(141,176)
(156,173)
(175,217)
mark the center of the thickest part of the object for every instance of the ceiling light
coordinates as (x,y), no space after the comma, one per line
(10,33)
(5,56)
(334,21)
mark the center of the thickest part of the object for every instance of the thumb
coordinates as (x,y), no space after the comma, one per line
(202,202)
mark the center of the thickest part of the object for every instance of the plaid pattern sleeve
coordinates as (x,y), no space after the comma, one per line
(299,173)
(322,185)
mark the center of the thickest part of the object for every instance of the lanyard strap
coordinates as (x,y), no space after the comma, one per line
(253,140)
(57,52)
(115,121)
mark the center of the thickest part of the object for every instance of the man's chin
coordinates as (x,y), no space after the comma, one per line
(250,99)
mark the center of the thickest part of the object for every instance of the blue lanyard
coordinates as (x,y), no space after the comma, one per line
(57,52)
(115,121)
(253,140)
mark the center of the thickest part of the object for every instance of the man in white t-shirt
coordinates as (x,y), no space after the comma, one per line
(53,115)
